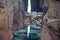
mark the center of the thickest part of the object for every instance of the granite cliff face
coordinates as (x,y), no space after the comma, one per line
(5,24)
(11,11)
(53,23)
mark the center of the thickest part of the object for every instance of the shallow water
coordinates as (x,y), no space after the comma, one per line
(33,35)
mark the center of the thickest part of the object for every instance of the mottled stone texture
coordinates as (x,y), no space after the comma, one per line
(5,21)
(11,11)
(53,23)
(18,14)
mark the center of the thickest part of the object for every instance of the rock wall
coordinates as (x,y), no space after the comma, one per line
(6,20)
(53,23)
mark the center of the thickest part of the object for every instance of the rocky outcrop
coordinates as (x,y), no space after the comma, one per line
(5,20)
(53,19)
